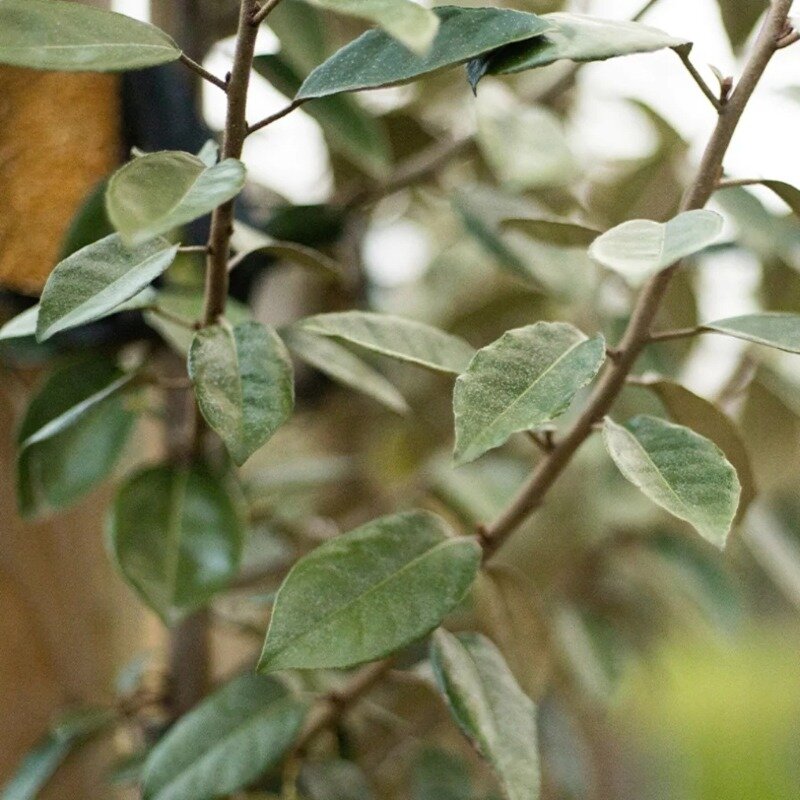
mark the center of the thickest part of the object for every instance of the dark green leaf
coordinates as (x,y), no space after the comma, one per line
(334,780)
(740,17)
(226,743)
(96,280)
(520,382)
(376,59)
(368,593)
(678,470)
(490,708)
(553,231)
(158,192)
(89,224)
(438,775)
(43,34)
(788,193)
(773,329)
(243,383)
(177,535)
(396,337)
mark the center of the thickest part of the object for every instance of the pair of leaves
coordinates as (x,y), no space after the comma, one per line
(50,35)
(156,193)
(226,743)
(640,248)
(490,708)
(72,435)
(679,470)
(520,382)
(177,535)
(369,592)
(243,383)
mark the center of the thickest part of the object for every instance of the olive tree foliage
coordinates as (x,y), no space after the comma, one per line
(307,494)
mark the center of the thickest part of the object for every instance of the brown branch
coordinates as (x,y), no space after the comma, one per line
(274,117)
(683,55)
(679,333)
(637,334)
(203,73)
(263,12)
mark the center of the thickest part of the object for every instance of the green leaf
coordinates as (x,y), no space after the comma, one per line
(438,775)
(177,535)
(678,470)
(338,363)
(368,593)
(73,433)
(39,765)
(525,379)
(771,328)
(408,22)
(89,223)
(158,192)
(334,780)
(226,743)
(710,421)
(490,708)
(640,248)
(24,324)
(43,34)
(243,383)
(350,130)
(740,17)
(396,337)
(375,59)
(301,29)
(96,280)
(575,37)
(788,193)
(209,153)
(188,306)
(560,233)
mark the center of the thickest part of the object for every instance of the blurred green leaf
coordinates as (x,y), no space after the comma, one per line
(226,743)
(553,231)
(41,34)
(95,281)
(438,775)
(177,535)
(89,224)
(158,192)
(369,592)
(243,383)
(490,708)
(375,59)
(520,382)
(740,17)
(334,780)
(678,470)
(773,329)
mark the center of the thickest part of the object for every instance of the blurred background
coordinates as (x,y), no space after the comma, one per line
(662,667)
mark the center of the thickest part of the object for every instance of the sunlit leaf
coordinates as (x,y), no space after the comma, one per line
(396,337)
(158,192)
(375,59)
(520,382)
(177,535)
(96,280)
(368,593)
(243,383)
(49,35)
(490,708)
(226,743)
(678,470)
(773,329)
(640,248)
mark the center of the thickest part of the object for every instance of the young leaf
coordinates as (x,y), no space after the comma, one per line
(575,37)
(409,23)
(226,743)
(375,59)
(490,708)
(523,380)
(177,536)
(640,248)
(553,231)
(96,280)
(396,337)
(678,470)
(158,192)
(707,419)
(770,328)
(243,383)
(43,34)
(38,766)
(338,363)
(368,593)
(72,435)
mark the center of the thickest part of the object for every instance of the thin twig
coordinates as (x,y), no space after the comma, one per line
(193,248)
(727,183)
(643,10)
(274,117)
(637,334)
(678,333)
(203,73)
(683,55)
(264,11)
(176,319)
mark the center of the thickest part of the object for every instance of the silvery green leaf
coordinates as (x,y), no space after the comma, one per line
(770,328)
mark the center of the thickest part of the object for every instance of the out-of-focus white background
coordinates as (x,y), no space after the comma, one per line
(291,157)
